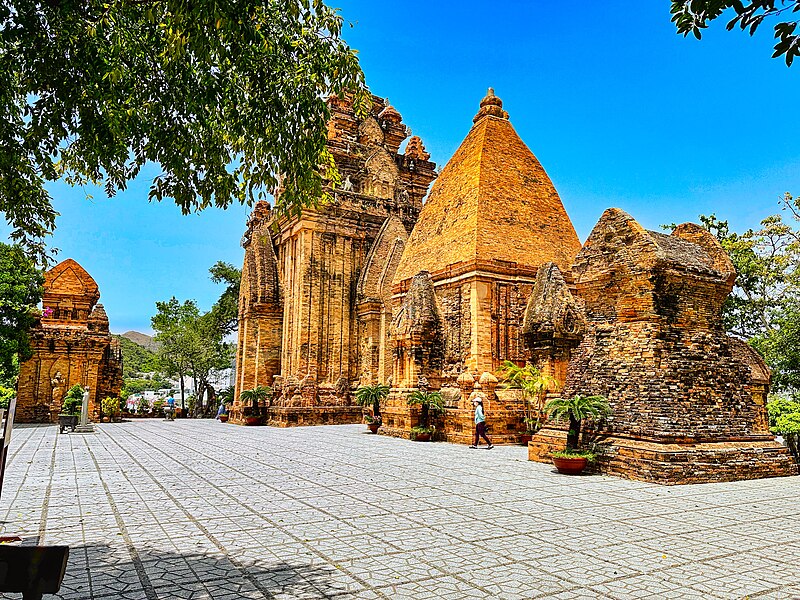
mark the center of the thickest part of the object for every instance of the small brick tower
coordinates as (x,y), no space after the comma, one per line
(71,345)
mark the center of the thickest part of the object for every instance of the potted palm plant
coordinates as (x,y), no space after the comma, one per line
(225,397)
(431,404)
(252,413)
(371,395)
(572,460)
(534,385)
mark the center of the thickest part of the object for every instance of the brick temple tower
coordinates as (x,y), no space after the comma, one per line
(70,346)
(492,217)
(328,272)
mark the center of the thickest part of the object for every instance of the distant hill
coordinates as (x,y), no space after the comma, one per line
(136,357)
(144,340)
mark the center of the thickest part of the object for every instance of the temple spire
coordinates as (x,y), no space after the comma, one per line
(491,105)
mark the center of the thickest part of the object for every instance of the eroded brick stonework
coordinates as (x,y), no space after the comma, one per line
(70,346)
(325,329)
(687,404)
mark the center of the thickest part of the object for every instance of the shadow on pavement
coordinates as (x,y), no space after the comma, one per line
(102,571)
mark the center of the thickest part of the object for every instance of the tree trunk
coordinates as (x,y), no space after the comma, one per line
(200,390)
(183,397)
(792,440)
(423,416)
(211,409)
(573,433)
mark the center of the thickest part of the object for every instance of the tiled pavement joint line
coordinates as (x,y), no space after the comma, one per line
(46,501)
(242,569)
(310,547)
(86,558)
(147,586)
(310,505)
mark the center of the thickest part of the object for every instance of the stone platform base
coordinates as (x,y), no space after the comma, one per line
(295,416)
(676,464)
(456,426)
(504,426)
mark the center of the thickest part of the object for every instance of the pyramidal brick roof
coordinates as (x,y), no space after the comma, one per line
(492,201)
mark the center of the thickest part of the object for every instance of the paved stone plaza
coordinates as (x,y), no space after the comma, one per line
(200,509)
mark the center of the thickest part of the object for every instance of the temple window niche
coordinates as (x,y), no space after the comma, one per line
(382,174)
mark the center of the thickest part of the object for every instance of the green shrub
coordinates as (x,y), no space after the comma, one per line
(784,420)
(143,406)
(110,407)
(158,407)
(6,394)
(590,456)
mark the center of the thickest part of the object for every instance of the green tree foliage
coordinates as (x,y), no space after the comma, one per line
(191,344)
(534,385)
(172,326)
(691,16)
(226,309)
(784,420)
(576,410)
(6,394)
(136,359)
(136,386)
(226,98)
(764,307)
(209,353)
(20,293)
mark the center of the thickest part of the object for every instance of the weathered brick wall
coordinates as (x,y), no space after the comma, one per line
(687,400)
(655,345)
(673,384)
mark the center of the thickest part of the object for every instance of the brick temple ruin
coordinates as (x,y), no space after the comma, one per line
(378,287)
(71,345)
(646,332)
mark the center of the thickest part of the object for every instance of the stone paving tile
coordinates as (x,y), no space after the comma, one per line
(202,510)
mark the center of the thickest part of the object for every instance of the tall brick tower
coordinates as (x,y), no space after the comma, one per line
(460,289)
(492,217)
(308,270)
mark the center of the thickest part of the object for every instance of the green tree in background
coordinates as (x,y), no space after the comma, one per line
(764,308)
(226,310)
(227,99)
(691,16)
(20,292)
(172,326)
(208,353)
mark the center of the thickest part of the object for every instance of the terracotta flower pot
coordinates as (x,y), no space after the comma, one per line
(223,418)
(525,438)
(422,437)
(252,420)
(570,466)
(373,427)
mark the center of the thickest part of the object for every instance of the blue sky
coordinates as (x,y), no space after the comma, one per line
(619,109)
